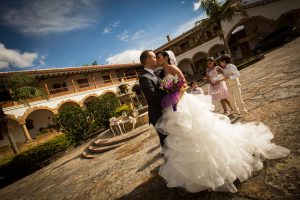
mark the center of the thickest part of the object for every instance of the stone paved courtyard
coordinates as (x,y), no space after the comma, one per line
(271,91)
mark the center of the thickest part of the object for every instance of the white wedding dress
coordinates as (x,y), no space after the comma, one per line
(204,151)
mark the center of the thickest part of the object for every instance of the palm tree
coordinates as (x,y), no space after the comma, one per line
(23,87)
(218,12)
(5,131)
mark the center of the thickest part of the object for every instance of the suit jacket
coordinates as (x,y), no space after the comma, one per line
(149,85)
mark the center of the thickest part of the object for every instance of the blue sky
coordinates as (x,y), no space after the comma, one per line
(36,34)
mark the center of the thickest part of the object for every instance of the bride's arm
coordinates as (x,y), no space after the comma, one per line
(174,70)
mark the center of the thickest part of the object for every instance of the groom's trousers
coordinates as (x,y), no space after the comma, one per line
(162,138)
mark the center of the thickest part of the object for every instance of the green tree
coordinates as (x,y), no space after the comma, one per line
(22,88)
(75,122)
(95,63)
(218,12)
(103,109)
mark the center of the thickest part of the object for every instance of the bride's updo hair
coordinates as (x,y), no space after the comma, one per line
(165,55)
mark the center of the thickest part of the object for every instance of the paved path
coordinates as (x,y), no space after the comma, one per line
(271,91)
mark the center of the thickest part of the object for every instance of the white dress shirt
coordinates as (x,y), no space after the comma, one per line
(150,70)
(233,73)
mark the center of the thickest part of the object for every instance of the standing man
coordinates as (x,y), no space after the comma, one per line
(231,75)
(149,84)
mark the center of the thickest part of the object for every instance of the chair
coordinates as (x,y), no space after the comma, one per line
(132,120)
(115,122)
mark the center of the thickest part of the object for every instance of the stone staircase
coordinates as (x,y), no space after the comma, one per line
(106,142)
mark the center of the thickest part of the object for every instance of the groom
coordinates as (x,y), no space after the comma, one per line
(149,84)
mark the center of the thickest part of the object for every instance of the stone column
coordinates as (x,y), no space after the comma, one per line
(26,133)
(94,80)
(111,79)
(73,85)
(47,90)
(12,142)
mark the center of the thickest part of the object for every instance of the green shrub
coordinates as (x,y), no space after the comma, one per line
(124,89)
(123,108)
(75,122)
(33,158)
(103,109)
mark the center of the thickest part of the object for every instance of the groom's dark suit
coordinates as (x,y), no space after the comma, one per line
(149,84)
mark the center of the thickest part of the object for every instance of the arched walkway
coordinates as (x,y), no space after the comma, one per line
(89,99)
(245,34)
(199,60)
(66,104)
(216,50)
(290,18)
(37,120)
(186,66)
(107,92)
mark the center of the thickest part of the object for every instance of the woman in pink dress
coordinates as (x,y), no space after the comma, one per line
(217,89)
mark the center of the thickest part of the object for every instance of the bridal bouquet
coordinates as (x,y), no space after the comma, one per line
(173,87)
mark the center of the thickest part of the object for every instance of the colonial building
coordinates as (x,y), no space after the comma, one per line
(264,16)
(76,86)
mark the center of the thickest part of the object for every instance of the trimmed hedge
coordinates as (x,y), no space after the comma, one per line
(32,159)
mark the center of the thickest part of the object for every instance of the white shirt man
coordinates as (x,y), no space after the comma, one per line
(231,74)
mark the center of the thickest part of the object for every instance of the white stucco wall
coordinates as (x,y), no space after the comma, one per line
(271,11)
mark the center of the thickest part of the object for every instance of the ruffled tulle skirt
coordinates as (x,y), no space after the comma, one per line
(204,151)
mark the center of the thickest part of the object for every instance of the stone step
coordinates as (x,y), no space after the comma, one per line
(100,150)
(103,145)
(87,155)
(118,139)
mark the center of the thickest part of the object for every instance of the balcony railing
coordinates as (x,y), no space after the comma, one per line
(195,44)
(74,89)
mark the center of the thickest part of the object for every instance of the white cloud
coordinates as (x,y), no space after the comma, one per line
(196,5)
(123,36)
(183,2)
(128,56)
(188,25)
(12,57)
(139,34)
(44,16)
(42,60)
(107,29)
(110,27)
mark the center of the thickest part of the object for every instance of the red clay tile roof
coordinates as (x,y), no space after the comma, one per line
(71,70)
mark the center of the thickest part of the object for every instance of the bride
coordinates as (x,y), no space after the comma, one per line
(203,150)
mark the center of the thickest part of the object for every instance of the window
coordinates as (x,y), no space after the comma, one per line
(83,82)
(56,85)
(106,79)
